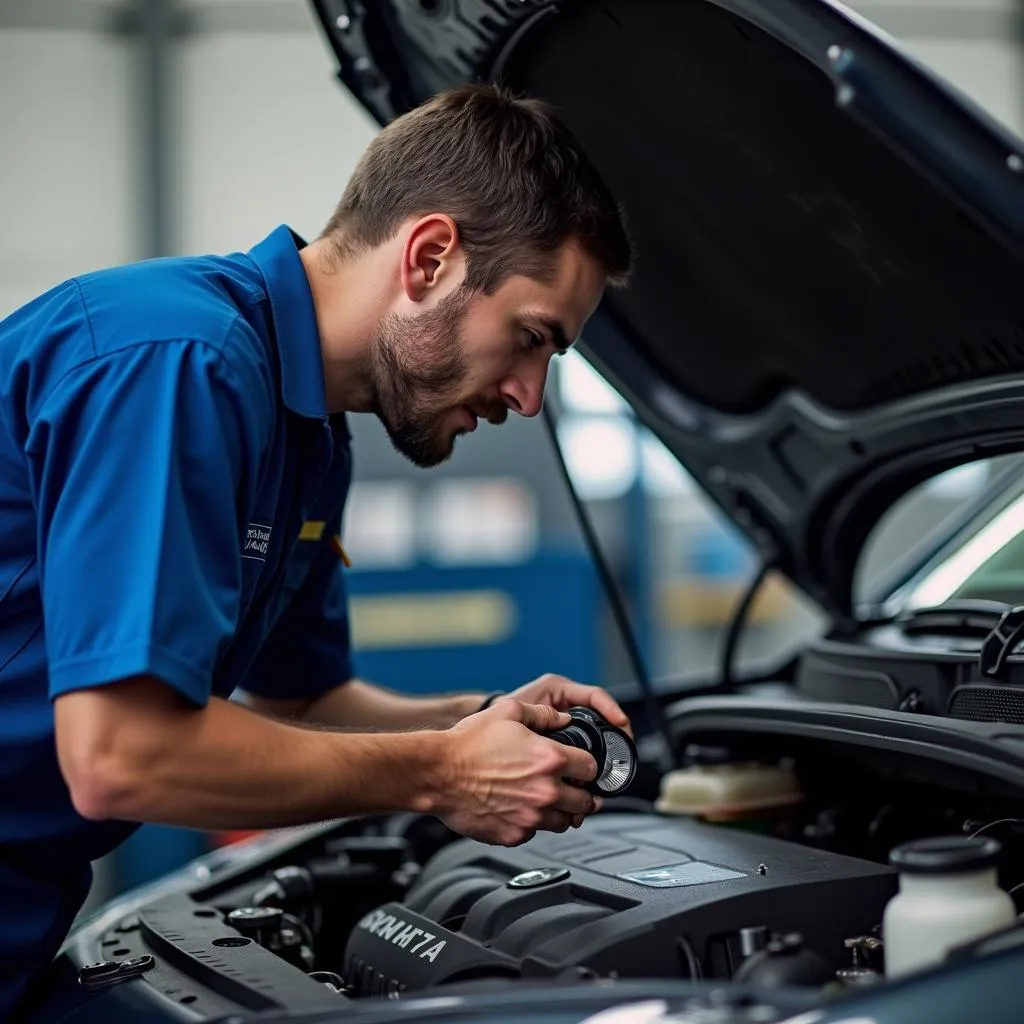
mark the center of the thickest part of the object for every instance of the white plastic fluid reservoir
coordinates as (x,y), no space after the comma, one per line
(717,785)
(948,896)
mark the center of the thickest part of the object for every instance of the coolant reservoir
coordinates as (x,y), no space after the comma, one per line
(948,896)
(716,786)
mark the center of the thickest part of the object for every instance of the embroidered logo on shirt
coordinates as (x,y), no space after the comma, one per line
(257,540)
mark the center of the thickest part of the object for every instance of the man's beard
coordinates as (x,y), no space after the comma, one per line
(418,368)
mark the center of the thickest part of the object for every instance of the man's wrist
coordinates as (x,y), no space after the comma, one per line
(465,704)
(487,700)
(431,770)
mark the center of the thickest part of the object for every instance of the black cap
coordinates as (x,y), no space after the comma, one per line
(250,920)
(709,754)
(946,855)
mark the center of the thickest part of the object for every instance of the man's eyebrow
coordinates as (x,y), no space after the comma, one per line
(558,333)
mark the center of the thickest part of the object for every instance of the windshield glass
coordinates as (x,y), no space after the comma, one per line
(938,535)
(988,566)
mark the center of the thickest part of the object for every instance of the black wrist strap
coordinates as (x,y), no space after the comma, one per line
(489,700)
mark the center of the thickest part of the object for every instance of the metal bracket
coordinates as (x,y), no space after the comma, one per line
(1000,644)
(110,972)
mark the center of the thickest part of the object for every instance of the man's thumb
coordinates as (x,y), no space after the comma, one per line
(543,717)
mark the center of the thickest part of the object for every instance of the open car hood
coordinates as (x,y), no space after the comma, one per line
(828,305)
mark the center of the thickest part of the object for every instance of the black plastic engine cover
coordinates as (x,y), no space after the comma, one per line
(624,894)
(393,950)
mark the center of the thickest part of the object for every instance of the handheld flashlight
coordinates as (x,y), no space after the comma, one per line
(612,749)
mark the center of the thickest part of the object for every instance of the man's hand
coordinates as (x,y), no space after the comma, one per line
(562,693)
(505,781)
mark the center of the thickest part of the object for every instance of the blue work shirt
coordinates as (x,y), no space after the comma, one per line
(170,489)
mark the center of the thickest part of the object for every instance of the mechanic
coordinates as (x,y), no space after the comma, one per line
(174,637)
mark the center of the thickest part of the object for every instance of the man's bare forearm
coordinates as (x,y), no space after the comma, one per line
(361,705)
(140,755)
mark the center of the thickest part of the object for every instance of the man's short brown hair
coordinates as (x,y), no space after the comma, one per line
(504,168)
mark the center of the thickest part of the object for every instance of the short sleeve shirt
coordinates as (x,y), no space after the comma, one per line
(171,491)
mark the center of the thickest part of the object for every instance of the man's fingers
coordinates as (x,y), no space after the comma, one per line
(594,697)
(542,717)
(555,821)
(572,800)
(564,693)
(607,706)
(578,765)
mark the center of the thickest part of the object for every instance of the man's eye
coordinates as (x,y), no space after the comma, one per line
(534,340)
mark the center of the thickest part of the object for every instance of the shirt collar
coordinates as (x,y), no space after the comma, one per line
(297,339)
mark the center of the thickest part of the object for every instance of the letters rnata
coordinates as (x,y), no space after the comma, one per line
(399,933)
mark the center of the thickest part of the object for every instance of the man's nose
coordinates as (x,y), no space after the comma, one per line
(524,392)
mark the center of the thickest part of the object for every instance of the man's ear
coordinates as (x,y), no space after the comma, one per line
(431,257)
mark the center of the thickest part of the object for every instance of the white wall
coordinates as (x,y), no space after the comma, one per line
(267,136)
(990,73)
(263,134)
(67,170)
(946,35)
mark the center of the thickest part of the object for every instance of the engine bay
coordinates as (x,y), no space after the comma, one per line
(628,897)
(779,880)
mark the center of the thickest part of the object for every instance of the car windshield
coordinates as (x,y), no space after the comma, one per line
(953,537)
(987,566)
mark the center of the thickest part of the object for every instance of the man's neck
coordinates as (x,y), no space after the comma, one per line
(348,297)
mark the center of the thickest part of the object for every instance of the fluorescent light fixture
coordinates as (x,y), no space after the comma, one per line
(601,455)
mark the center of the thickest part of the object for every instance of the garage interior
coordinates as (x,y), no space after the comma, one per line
(142,128)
